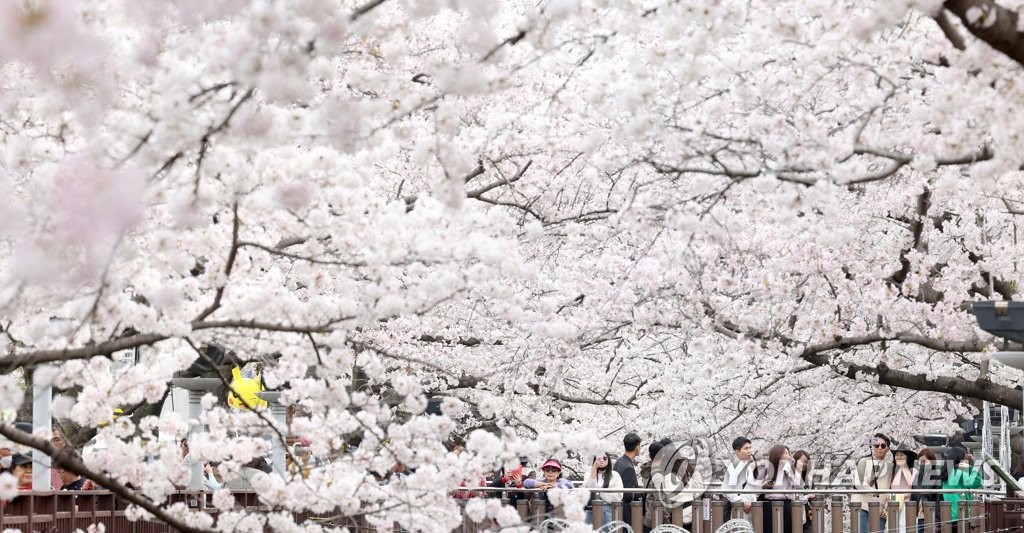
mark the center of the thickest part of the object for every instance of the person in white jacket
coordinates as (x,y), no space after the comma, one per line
(603,476)
(678,481)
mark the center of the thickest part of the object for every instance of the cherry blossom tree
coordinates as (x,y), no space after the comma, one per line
(568,219)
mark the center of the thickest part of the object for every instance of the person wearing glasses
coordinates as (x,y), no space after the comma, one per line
(552,472)
(873,472)
(59,441)
(603,475)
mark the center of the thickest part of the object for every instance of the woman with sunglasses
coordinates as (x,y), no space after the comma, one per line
(551,479)
(603,476)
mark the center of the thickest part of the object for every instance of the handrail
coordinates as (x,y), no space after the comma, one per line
(745,491)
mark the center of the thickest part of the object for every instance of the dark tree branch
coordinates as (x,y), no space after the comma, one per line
(364,9)
(518,175)
(14,361)
(916,229)
(1001,34)
(232,253)
(511,41)
(28,359)
(138,146)
(204,142)
(950,31)
(981,389)
(819,354)
(276,250)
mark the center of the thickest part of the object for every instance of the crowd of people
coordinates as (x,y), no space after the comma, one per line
(670,470)
(887,467)
(19,465)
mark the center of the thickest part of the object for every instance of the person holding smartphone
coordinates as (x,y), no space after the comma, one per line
(603,475)
(959,473)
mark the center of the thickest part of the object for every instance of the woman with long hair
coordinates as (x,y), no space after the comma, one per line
(677,481)
(802,468)
(780,476)
(602,475)
(904,475)
(929,477)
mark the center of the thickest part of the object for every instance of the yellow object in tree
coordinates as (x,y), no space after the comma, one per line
(117,413)
(243,390)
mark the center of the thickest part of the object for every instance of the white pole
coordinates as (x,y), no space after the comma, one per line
(1004,440)
(42,397)
(280,412)
(986,442)
(195,408)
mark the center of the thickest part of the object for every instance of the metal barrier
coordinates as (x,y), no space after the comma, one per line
(67,511)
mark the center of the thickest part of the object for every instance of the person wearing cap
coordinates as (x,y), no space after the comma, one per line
(552,479)
(21,467)
(903,477)
(873,472)
(625,466)
(6,453)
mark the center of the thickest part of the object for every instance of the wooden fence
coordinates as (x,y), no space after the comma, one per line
(60,512)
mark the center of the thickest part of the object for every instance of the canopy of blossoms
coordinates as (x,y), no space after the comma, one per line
(567,218)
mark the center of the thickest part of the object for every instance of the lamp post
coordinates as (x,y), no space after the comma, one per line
(279,411)
(196,388)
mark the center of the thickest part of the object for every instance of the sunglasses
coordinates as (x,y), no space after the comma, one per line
(550,469)
(880,446)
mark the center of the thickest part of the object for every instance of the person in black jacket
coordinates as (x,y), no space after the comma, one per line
(626,467)
(929,476)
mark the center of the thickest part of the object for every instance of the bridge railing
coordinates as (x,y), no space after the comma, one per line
(831,512)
